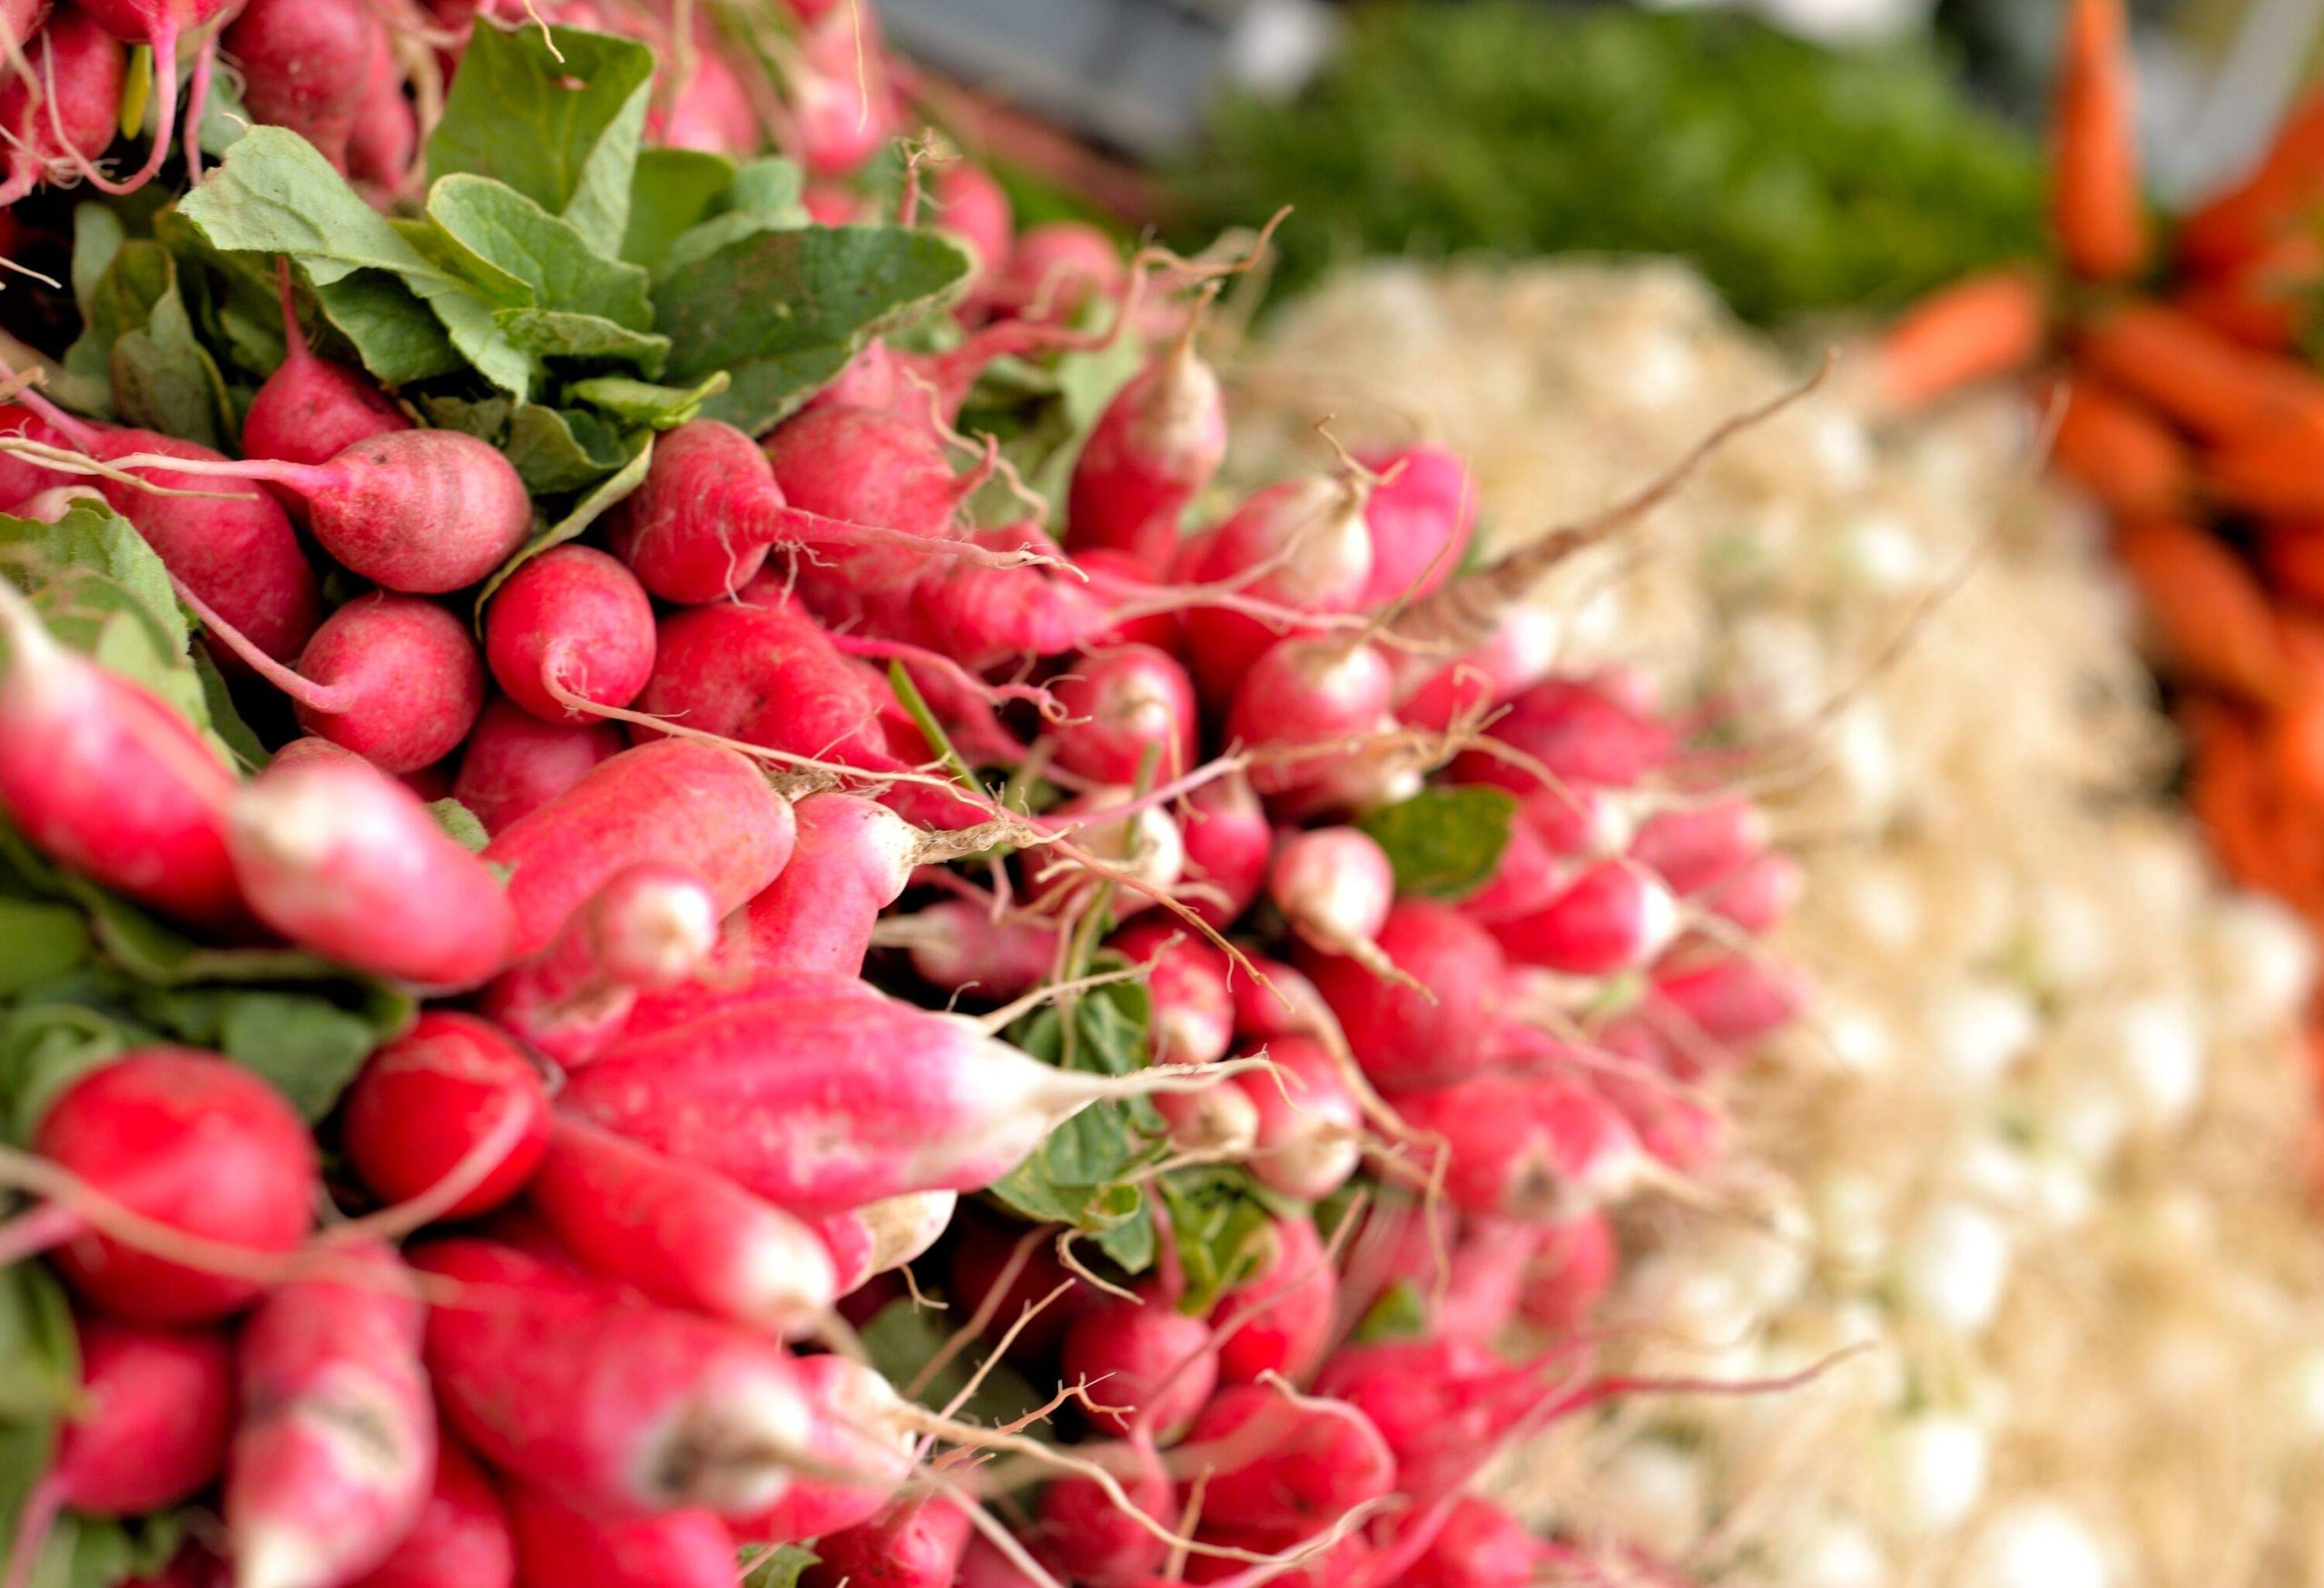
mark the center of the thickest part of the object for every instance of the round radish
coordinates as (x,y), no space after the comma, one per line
(515,763)
(425,1101)
(575,617)
(310,408)
(1310,1135)
(307,65)
(1131,708)
(461,1539)
(1401,1035)
(1151,1362)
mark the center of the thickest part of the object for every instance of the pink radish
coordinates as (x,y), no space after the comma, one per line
(865,466)
(1129,580)
(1229,841)
(683,1234)
(1145,1357)
(1517,655)
(956,946)
(1313,1462)
(853,859)
(1303,543)
(341,859)
(1481,1545)
(1731,998)
(109,779)
(699,524)
(310,408)
(1084,1535)
(1152,450)
(1404,1036)
(559,1544)
(1439,1404)
(184,1141)
(1528,877)
(1279,1318)
(856,1429)
(575,617)
(650,927)
(675,802)
(515,763)
(1531,1149)
(1057,267)
(306,64)
(385,144)
(1350,1559)
(1146,847)
(1695,847)
(883,1236)
(1483,1280)
(981,1260)
(1310,1134)
(1573,1265)
(1578,731)
(148,1431)
(427,1101)
(394,678)
(1130,708)
(1190,1011)
(332,1460)
(564,1382)
(841,100)
(420,511)
(461,1539)
(974,207)
(1335,886)
(160,23)
(849,1099)
(1759,897)
(1306,695)
(21,480)
(915,1543)
(1613,917)
(710,109)
(1421,517)
(65,125)
(1287,1004)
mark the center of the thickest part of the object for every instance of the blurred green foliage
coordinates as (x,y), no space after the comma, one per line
(1795,177)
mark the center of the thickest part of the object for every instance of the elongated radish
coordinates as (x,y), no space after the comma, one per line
(310,408)
(650,927)
(558,1543)
(846,1100)
(1439,1402)
(1306,695)
(65,124)
(1614,916)
(306,65)
(184,1141)
(856,1429)
(1310,1127)
(423,1102)
(1304,1464)
(1126,709)
(385,143)
(853,859)
(1759,897)
(1527,1148)
(1303,543)
(1528,877)
(332,1458)
(1151,1364)
(957,946)
(1421,515)
(1190,1012)
(882,1236)
(915,1543)
(1403,1036)
(675,802)
(617,1405)
(1287,1004)
(514,762)
(1152,450)
(341,859)
(461,1538)
(684,1235)
(573,617)
(1694,847)
(1229,841)
(1277,1318)
(1335,886)
(109,779)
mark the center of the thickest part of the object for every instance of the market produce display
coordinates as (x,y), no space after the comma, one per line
(622,947)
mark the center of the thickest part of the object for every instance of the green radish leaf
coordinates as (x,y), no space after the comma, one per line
(553,450)
(1444,842)
(764,196)
(396,336)
(49,1040)
(40,1375)
(1399,1314)
(526,257)
(459,824)
(902,1338)
(780,1567)
(578,517)
(640,402)
(1217,1216)
(307,1048)
(784,310)
(97,236)
(39,942)
(120,297)
(559,125)
(672,189)
(164,379)
(549,333)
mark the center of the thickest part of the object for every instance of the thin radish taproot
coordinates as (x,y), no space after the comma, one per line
(310,408)
(1152,1365)
(1306,693)
(573,617)
(1422,515)
(430,1098)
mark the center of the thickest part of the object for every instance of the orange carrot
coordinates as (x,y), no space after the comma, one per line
(2095,202)
(2206,610)
(2263,302)
(2294,749)
(2292,554)
(2197,377)
(2278,472)
(2119,452)
(1974,329)
(2227,788)
(2281,195)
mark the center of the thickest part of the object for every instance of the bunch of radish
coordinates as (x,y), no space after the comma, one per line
(823,837)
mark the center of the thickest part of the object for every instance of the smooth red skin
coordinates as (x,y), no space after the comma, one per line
(847,867)
(1138,703)
(976,957)
(1291,1335)
(21,19)
(575,614)
(1521,1148)
(415,683)
(420,511)
(337,1440)
(842,103)
(385,140)
(865,466)
(815,1508)
(1495,672)
(1570,821)
(982,1565)
(1528,877)
(1154,449)
(1438,1403)
(557,1546)
(985,616)
(1192,1017)
(1579,731)
(770,677)
(1694,848)
(1221,645)
(1071,261)
(1484,1279)
(914,1544)
(424,1100)
(461,1538)
(392,894)
(563,1381)
(1322,1465)
(981,1254)
(87,66)
(1573,1267)
(311,408)
(1305,690)
(1308,1099)
(514,762)
(1260,1014)
(694,529)
(710,111)
(677,803)
(970,205)
(105,776)
(306,65)
(1120,576)
(1154,1361)
(19,480)
(1230,842)
(241,556)
(1400,1036)
(149,1429)
(1760,897)
(1731,998)
(1481,1545)
(192,1141)
(1422,521)
(1595,926)
(141,21)
(1081,1534)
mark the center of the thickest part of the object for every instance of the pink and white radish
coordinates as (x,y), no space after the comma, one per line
(58,130)
(1154,449)
(650,927)
(1310,1135)
(310,408)
(1128,710)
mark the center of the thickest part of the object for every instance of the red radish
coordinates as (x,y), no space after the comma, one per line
(675,801)
(1152,450)
(160,23)
(1481,1545)
(21,20)
(915,1543)
(699,525)
(1421,516)
(108,778)
(1083,1534)
(983,1256)
(1572,1267)
(1285,1004)
(332,1460)
(310,408)
(68,122)
(710,109)
(1129,581)
(683,1234)
(1190,1014)
(1577,729)
(1057,267)
(1613,917)
(1302,543)
(833,204)
(1149,1362)
(958,947)
(461,1539)
(515,763)
(394,678)
(564,1382)
(974,207)
(1528,877)
(651,927)
(1403,1036)
(983,1565)
(1310,1136)
(1304,694)
(557,1545)
(1323,1459)
(987,616)
(341,859)
(853,859)
(420,511)
(1335,886)
(1527,1148)
(1759,896)
(1731,998)
(1278,1318)
(574,617)
(882,1236)
(1350,1559)
(185,1141)
(1482,1279)
(849,1099)
(1228,842)
(865,466)
(306,64)
(1695,847)
(1146,847)
(385,143)
(427,1101)
(149,1430)
(1439,1404)
(856,1429)
(20,481)
(1132,709)
(841,100)
(1519,653)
